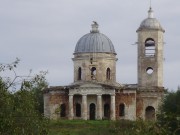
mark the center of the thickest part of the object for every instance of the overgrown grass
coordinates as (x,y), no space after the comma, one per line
(80,127)
(105,127)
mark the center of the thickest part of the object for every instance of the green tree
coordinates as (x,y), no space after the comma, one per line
(21,110)
(39,83)
(169,115)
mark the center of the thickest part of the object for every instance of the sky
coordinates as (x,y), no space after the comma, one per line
(43,35)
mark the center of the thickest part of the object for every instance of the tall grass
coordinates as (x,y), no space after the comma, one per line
(105,127)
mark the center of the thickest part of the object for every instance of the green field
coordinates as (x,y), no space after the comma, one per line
(104,127)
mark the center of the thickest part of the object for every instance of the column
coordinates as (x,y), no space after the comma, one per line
(112,115)
(99,107)
(71,112)
(84,107)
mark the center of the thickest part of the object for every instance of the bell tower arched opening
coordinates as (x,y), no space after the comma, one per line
(150,47)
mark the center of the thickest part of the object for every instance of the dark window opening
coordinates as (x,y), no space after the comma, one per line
(92,109)
(79,74)
(78,110)
(106,111)
(121,110)
(149,47)
(63,110)
(93,73)
(91,60)
(150,113)
(108,73)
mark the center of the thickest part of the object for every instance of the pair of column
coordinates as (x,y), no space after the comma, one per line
(84,107)
(99,107)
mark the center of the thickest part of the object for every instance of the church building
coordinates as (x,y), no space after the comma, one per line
(95,94)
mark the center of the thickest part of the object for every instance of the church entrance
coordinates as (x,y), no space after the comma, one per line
(106,111)
(92,109)
(78,110)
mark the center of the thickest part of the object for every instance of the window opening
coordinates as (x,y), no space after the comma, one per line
(79,73)
(93,73)
(91,60)
(149,70)
(121,110)
(78,110)
(108,73)
(149,47)
(63,110)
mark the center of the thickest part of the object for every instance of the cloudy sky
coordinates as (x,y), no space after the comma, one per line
(43,34)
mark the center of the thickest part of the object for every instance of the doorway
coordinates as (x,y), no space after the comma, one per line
(78,110)
(150,113)
(92,109)
(106,111)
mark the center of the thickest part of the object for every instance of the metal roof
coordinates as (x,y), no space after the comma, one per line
(150,23)
(94,42)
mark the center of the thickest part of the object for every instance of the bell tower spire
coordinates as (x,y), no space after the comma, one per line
(150,12)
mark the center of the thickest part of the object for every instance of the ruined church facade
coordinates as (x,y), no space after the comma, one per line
(95,94)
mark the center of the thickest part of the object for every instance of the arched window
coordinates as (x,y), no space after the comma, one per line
(121,110)
(108,73)
(150,113)
(63,110)
(91,60)
(149,47)
(79,73)
(78,110)
(107,111)
(93,73)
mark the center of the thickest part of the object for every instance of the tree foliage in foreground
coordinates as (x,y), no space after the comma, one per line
(21,110)
(169,116)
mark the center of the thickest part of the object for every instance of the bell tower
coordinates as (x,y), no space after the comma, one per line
(150,52)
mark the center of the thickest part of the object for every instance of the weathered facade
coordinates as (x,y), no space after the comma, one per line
(95,94)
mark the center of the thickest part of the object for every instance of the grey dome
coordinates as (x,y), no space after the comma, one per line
(94,42)
(150,23)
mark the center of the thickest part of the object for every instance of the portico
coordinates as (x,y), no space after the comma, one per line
(92,100)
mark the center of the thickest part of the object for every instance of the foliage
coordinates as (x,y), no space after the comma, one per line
(169,115)
(149,128)
(21,110)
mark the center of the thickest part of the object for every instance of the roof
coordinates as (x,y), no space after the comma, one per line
(94,42)
(150,23)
